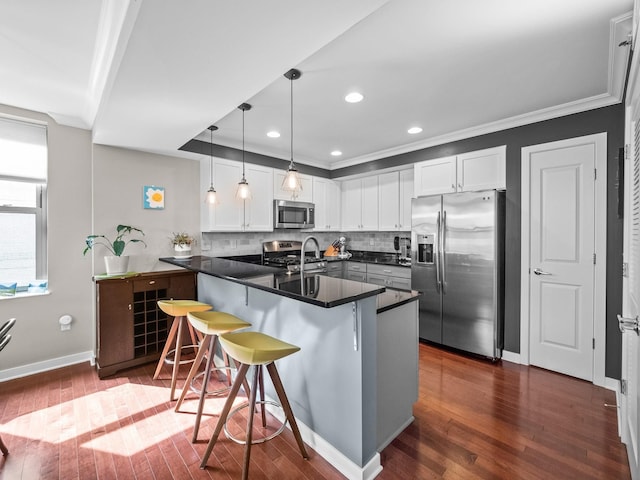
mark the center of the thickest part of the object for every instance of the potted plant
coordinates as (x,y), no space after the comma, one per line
(182,244)
(116,263)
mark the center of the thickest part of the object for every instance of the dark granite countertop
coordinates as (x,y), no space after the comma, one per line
(394,298)
(315,289)
(364,256)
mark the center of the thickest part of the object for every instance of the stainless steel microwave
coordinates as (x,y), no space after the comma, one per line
(291,214)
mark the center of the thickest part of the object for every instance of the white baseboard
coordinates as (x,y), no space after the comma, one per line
(46,365)
(510,357)
(331,454)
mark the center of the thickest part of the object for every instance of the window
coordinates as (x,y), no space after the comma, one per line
(23,193)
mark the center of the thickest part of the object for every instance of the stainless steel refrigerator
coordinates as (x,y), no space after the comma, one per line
(457,263)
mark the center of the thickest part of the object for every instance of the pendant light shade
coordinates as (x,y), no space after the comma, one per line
(243,192)
(291,182)
(211,197)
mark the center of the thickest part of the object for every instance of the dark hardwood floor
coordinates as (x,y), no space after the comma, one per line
(474,420)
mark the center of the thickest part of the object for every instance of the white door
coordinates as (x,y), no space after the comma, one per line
(561,256)
(631,299)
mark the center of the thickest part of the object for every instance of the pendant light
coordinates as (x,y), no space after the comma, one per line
(243,192)
(292,181)
(211,196)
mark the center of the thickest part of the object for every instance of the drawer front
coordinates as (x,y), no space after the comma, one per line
(390,270)
(357,276)
(144,285)
(377,279)
(400,283)
(334,266)
(356,267)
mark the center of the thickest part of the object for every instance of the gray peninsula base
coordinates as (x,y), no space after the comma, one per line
(352,385)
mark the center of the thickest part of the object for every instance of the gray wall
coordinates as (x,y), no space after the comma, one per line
(119,177)
(607,119)
(36,337)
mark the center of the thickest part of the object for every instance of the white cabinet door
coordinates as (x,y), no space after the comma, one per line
(406,193)
(228,214)
(389,201)
(258,212)
(334,215)
(306,195)
(435,176)
(482,170)
(369,203)
(326,197)
(351,197)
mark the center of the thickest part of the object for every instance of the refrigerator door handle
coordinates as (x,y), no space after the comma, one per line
(437,255)
(443,247)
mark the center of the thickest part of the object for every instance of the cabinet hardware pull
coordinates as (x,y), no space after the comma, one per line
(129,306)
(151,282)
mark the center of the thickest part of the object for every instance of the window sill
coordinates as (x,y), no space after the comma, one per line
(25,295)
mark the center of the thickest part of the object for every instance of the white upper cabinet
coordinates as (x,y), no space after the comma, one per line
(389,201)
(395,190)
(360,204)
(306,195)
(258,212)
(231,214)
(326,197)
(406,194)
(472,171)
(435,176)
(482,170)
(228,214)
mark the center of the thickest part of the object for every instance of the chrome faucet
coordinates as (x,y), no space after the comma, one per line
(302,250)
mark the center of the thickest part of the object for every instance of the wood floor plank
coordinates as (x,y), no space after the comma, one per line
(474,420)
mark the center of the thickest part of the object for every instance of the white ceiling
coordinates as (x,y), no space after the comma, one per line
(153,74)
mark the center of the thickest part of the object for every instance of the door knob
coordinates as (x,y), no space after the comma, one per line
(537,271)
(626,323)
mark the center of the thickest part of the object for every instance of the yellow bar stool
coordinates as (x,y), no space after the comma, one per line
(177,309)
(257,349)
(210,325)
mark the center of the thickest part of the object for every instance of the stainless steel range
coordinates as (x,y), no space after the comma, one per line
(288,254)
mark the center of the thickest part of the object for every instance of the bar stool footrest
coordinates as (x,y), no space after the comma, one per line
(254,441)
(171,355)
(213,393)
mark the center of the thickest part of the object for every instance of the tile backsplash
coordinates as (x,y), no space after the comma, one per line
(219,244)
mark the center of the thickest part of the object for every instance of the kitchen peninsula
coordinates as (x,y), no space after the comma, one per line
(353,384)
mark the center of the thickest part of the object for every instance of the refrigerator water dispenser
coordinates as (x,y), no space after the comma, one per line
(425,249)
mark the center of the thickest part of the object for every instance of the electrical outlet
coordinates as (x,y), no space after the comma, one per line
(233,243)
(372,242)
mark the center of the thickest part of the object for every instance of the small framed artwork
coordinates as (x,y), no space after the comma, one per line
(153,197)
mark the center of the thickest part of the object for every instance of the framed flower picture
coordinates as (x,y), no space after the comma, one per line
(153,197)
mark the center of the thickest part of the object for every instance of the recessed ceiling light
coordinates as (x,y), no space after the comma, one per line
(354,97)
(336,153)
(414,130)
(273,134)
